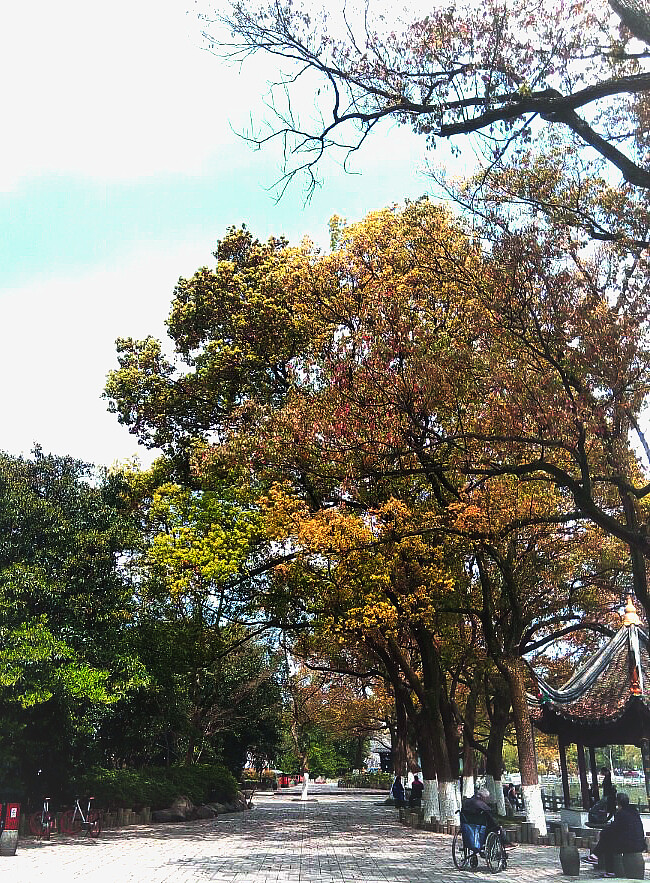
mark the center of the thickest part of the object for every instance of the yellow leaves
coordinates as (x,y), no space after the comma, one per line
(198,541)
(377,614)
(283,512)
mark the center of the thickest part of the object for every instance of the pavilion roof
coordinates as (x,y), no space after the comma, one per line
(607,701)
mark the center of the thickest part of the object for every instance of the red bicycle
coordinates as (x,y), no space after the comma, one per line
(75,820)
(43,822)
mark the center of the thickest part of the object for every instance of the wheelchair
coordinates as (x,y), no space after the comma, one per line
(474,840)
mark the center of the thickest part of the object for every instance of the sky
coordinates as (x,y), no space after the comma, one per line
(120,168)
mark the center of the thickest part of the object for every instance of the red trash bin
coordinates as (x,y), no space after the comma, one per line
(10,815)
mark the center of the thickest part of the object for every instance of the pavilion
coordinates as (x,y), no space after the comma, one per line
(606,702)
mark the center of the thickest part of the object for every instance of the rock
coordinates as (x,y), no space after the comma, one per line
(184,806)
(204,812)
(240,801)
(167,815)
(633,865)
(217,807)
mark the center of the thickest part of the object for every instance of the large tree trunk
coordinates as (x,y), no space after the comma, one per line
(412,762)
(635,15)
(359,754)
(499,718)
(436,768)
(398,747)
(430,798)
(469,765)
(530,788)
(436,724)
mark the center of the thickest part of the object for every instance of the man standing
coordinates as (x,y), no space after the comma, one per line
(609,791)
(417,790)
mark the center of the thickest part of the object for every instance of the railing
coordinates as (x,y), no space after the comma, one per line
(555,802)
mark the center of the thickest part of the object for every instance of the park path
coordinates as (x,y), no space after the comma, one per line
(336,837)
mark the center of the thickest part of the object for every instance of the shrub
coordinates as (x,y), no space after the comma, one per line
(158,787)
(367,780)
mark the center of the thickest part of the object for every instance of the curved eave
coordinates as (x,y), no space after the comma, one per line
(594,668)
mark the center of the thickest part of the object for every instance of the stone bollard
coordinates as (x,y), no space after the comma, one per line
(616,865)
(570,860)
(633,865)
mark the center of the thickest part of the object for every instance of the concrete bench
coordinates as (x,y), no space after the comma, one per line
(630,865)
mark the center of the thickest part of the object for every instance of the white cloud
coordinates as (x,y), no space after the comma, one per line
(113,90)
(57,345)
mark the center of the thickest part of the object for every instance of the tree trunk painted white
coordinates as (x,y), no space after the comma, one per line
(305,787)
(430,802)
(468,786)
(457,793)
(495,787)
(500,797)
(533,806)
(448,805)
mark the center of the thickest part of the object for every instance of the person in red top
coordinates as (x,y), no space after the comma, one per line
(417,790)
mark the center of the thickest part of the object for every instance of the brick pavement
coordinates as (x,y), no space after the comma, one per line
(334,838)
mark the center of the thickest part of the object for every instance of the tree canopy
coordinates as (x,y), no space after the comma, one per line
(417,447)
(504,73)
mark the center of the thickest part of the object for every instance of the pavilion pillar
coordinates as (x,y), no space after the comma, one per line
(594,773)
(564,772)
(582,770)
(645,754)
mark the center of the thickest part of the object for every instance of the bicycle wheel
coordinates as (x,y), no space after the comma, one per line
(35,826)
(70,822)
(47,824)
(495,854)
(94,824)
(459,852)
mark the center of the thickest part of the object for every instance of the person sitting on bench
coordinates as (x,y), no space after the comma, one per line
(623,834)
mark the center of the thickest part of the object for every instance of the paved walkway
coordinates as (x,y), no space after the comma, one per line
(333,838)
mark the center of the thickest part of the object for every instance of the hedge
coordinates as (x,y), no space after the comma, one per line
(158,787)
(367,780)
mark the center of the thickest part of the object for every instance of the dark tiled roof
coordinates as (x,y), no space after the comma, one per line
(605,689)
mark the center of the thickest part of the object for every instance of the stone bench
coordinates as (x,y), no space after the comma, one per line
(630,865)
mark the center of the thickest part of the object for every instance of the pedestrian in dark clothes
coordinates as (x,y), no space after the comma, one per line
(623,834)
(609,791)
(397,792)
(417,790)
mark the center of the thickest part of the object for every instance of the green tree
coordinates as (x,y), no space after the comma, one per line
(213,689)
(65,611)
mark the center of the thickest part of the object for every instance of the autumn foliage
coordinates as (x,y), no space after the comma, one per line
(432,443)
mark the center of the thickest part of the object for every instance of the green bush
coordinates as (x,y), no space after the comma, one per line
(367,780)
(158,787)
